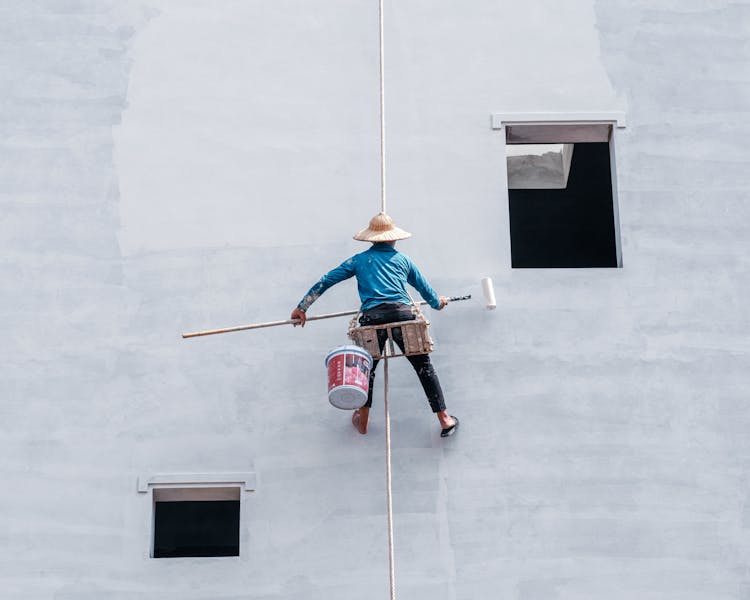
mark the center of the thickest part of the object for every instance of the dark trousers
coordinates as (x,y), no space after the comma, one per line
(391,312)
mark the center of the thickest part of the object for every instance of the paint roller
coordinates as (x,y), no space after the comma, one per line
(489,297)
(489,293)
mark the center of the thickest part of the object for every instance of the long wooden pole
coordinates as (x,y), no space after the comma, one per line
(292,321)
(268,324)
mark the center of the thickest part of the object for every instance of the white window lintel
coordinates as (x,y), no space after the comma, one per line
(246,480)
(500,119)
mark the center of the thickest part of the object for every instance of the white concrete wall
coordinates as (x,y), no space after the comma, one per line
(168,166)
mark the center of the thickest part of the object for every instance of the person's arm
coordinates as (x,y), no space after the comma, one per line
(417,280)
(344,271)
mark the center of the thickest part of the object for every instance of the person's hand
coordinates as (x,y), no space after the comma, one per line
(443,302)
(299,314)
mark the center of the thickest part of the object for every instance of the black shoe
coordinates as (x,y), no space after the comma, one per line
(448,431)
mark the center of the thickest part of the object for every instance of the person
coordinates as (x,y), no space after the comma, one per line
(382,274)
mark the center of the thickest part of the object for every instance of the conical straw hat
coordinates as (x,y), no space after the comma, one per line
(382,229)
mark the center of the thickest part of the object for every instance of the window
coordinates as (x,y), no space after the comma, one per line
(201,521)
(562,197)
(194,514)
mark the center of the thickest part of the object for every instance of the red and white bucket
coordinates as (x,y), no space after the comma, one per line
(348,376)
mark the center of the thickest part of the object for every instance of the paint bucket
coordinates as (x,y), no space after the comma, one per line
(348,376)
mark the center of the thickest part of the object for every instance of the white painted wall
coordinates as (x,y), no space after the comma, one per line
(168,166)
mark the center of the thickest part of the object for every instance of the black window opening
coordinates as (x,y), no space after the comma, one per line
(196,522)
(573,226)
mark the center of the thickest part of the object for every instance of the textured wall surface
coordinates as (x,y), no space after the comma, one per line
(168,166)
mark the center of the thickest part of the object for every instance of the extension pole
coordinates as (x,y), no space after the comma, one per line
(294,321)
(268,324)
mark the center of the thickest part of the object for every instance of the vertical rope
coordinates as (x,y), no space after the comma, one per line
(382,108)
(391,560)
(388,486)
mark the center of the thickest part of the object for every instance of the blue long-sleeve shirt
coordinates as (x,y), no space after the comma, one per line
(382,274)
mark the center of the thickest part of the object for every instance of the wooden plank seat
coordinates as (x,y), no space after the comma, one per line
(416,336)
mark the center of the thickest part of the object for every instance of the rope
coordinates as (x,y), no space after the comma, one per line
(382,109)
(391,561)
(389,493)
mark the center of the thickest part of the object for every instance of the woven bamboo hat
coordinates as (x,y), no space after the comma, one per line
(382,229)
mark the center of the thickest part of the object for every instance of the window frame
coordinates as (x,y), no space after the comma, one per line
(501,121)
(195,486)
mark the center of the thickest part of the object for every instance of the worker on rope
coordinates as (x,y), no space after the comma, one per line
(382,274)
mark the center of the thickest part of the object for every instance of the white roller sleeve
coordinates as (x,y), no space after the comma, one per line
(489,293)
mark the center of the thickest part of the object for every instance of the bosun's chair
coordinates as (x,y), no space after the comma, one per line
(416,336)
